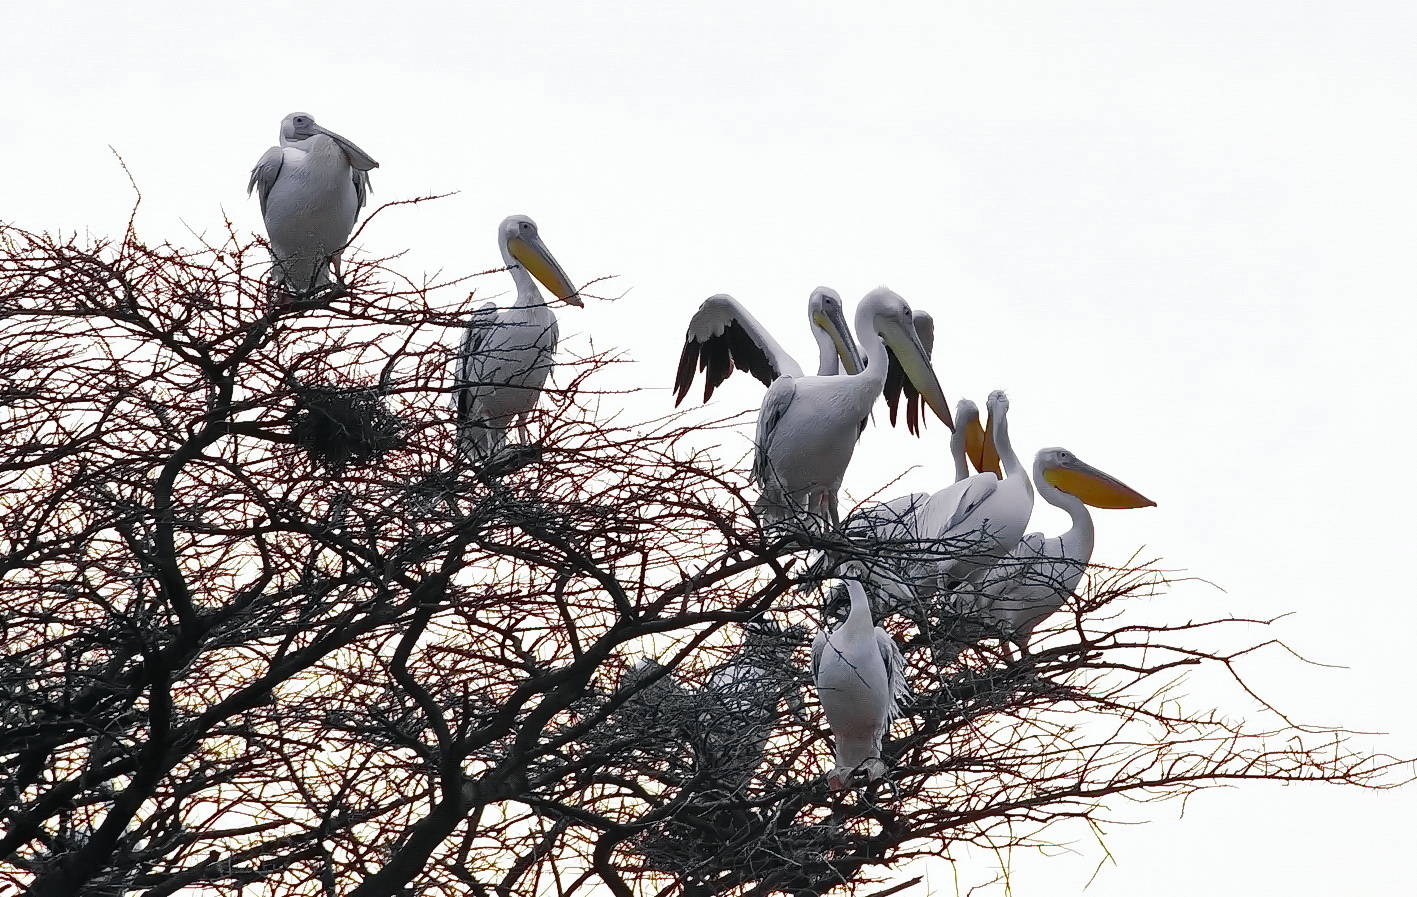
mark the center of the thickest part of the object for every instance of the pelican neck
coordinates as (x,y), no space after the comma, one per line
(1080,535)
(527,292)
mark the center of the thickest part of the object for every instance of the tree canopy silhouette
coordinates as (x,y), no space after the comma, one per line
(266,630)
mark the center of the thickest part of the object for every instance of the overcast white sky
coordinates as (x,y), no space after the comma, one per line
(1180,234)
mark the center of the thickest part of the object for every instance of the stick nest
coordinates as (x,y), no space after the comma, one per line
(339,426)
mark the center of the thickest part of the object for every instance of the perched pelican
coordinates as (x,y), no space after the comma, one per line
(506,355)
(723,336)
(860,676)
(1040,574)
(981,519)
(311,189)
(896,540)
(738,706)
(808,426)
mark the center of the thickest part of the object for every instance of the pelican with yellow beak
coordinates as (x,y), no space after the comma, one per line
(724,336)
(1040,574)
(808,426)
(311,189)
(507,354)
(979,520)
(898,545)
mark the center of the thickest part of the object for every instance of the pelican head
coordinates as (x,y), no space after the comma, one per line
(825,310)
(299,126)
(522,247)
(998,406)
(885,312)
(1062,470)
(997,403)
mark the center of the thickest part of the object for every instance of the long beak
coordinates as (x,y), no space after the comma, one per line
(358,159)
(988,453)
(833,321)
(916,364)
(1094,487)
(974,445)
(533,255)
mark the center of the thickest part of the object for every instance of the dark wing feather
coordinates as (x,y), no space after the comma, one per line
(723,337)
(897,384)
(749,356)
(688,363)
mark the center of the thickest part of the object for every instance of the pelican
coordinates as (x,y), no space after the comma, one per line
(506,355)
(738,706)
(723,336)
(807,426)
(981,519)
(1041,573)
(860,676)
(311,189)
(894,529)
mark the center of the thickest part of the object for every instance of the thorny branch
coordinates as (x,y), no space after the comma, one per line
(263,628)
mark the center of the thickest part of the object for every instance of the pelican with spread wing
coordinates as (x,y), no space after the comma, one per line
(724,336)
(507,354)
(311,189)
(808,426)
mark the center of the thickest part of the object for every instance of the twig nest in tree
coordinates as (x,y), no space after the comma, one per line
(340,426)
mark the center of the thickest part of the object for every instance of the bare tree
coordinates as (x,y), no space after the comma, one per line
(266,633)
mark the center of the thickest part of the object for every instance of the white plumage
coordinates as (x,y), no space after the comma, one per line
(860,676)
(723,336)
(311,188)
(808,426)
(1041,573)
(507,354)
(979,520)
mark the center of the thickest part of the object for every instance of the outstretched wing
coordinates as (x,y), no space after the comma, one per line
(264,175)
(722,337)
(896,381)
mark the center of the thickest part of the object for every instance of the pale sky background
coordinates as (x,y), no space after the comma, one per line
(1180,234)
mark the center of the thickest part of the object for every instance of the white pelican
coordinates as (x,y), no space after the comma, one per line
(506,355)
(311,189)
(894,529)
(1041,573)
(808,426)
(860,676)
(981,519)
(723,335)
(738,706)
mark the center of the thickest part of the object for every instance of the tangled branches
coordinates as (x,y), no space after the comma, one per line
(265,629)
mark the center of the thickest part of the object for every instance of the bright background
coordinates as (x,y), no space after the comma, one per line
(1180,234)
